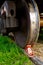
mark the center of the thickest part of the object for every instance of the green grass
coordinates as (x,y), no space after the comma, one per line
(11,54)
(42,29)
(40,36)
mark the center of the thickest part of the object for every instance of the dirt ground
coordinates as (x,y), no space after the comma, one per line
(38,50)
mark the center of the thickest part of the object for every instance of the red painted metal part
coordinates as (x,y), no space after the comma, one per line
(29,51)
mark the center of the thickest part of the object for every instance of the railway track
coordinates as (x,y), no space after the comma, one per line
(35,59)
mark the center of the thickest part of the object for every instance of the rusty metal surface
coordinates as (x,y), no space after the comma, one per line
(41,21)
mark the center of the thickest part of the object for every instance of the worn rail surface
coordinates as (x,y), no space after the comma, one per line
(35,60)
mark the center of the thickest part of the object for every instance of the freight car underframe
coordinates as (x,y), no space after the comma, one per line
(25,25)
